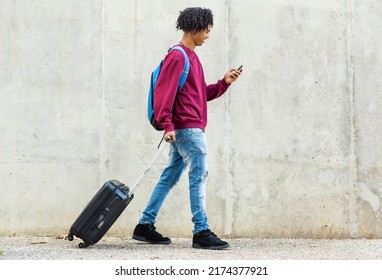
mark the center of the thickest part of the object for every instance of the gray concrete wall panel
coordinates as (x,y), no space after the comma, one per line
(294,145)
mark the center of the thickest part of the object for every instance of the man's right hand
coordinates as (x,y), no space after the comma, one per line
(170,134)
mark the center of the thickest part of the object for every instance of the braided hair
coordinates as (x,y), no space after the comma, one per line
(194,19)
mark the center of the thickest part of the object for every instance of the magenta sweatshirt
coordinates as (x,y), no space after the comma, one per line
(188,108)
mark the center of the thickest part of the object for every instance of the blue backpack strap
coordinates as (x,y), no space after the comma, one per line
(186,69)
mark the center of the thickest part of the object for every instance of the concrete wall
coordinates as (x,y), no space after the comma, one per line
(294,146)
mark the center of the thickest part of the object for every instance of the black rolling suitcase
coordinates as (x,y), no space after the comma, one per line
(105,208)
(100,213)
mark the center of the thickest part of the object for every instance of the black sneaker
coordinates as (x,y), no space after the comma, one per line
(206,239)
(147,233)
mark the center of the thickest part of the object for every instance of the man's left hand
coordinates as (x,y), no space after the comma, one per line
(232,75)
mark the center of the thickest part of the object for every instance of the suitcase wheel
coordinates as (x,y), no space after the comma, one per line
(83,245)
(70,237)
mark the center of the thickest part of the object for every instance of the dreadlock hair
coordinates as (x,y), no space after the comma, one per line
(194,19)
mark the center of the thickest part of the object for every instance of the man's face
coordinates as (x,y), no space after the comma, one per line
(201,36)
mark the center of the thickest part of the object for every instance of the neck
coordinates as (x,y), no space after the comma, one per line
(187,41)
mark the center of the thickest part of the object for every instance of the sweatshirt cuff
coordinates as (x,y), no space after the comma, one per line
(224,84)
(169,128)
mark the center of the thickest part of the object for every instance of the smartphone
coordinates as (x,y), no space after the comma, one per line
(239,69)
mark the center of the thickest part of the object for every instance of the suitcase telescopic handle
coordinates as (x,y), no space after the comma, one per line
(148,168)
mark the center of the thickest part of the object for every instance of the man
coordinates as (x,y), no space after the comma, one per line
(183,116)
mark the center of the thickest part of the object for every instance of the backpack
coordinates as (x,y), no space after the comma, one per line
(154,79)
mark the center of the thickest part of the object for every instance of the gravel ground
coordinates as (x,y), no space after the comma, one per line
(113,248)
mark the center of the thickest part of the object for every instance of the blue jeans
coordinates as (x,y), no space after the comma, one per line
(189,150)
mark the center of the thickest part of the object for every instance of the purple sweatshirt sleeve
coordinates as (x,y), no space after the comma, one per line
(216,90)
(166,89)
